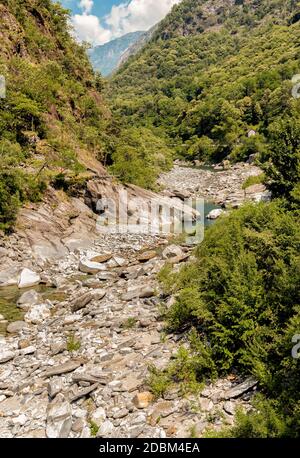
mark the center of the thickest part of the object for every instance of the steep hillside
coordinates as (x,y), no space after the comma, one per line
(213,72)
(135,47)
(53,118)
(106,58)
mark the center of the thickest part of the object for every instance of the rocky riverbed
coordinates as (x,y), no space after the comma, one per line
(222,186)
(78,365)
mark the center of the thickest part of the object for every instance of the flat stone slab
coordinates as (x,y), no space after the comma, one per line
(63,368)
(240,389)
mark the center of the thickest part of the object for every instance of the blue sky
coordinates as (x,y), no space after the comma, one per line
(100,7)
(99,21)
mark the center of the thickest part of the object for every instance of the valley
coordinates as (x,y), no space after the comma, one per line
(78,362)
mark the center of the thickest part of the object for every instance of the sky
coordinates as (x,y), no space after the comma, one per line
(100,21)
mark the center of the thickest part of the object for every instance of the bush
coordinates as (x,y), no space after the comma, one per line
(241,298)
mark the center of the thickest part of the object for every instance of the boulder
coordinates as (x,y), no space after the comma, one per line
(6,355)
(90,267)
(141,292)
(16,327)
(182,195)
(105,429)
(147,256)
(240,389)
(172,251)
(102,258)
(59,418)
(28,299)
(9,276)
(37,314)
(215,214)
(65,368)
(55,386)
(82,301)
(143,400)
(28,278)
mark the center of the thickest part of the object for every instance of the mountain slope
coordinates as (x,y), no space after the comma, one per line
(53,119)
(213,72)
(106,58)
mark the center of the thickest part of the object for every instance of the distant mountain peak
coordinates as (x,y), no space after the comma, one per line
(106,58)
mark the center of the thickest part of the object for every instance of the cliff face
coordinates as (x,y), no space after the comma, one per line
(107,58)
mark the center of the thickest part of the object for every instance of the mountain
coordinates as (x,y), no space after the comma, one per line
(136,46)
(212,72)
(54,117)
(106,58)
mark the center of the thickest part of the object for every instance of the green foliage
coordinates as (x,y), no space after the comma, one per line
(241,300)
(252,180)
(94,428)
(283,167)
(52,107)
(212,74)
(73,344)
(129,323)
(138,157)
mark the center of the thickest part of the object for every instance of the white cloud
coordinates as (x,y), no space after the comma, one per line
(128,17)
(137,15)
(88,28)
(86,6)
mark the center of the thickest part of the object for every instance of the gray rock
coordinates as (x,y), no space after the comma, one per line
(82,301)
(120,413)
(141,292)
(70,366)
(215,214)
(55,387)
(172,251)
(59,418)
(240,389)
(105,429)
(9,276)
(16,327)
(6,355)
(28,299)
(229,407)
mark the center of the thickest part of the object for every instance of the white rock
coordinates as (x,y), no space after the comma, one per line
(172,251)
(215,214)
(55,386)
(20,420)
(90,267)
(28,299)
(37,314)
(10,276)
(59,419)
(6,355)
(99,416)
(28,278)
(28,350)
(105,429)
